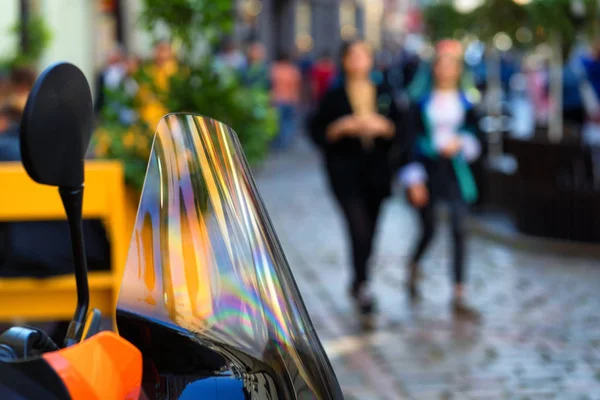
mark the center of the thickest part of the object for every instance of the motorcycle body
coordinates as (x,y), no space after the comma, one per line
(208,307)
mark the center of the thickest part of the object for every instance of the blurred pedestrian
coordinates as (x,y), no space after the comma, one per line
(445,124)
(21,82)
(4,87)
(573,110)
(285,93)
(592,67)
(305,62)
(357,126)
(394,76)
(132,67)
(231,57)
(115,70)
(537,73)
(111,76)
(410,63)
(383,60)
(129,90)
(10,149)
(322,75)
(256,73)
(423,83)
(588,70)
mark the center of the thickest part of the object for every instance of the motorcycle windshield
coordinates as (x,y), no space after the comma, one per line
(207,290)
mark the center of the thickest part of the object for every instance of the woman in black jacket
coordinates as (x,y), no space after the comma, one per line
(357,127)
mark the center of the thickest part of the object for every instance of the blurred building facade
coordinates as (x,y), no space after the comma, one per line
(84,31)
(307,26)
(316,26)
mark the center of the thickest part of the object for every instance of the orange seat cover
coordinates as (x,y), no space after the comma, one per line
(102,367)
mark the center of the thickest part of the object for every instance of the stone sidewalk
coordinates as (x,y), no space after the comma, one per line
(540,338)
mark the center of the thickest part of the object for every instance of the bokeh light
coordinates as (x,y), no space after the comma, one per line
(253,7)
(466,6)
(502,41)
(304,42)
(524,35)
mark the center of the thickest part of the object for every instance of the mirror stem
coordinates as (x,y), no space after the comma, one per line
(73,203)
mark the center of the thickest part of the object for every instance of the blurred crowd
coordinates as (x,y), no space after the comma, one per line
(380,119)
(295,82)
(373,138)
(532,77)
(119,83)
(394,119)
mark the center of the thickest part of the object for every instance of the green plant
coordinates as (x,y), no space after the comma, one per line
(128,141)
(204,90)
(443,21)
(190,21)
(197,86)
(130,144)
(495,16)
(39,37)
(542,17)
(556,16)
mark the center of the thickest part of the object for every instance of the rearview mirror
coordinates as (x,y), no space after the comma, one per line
(57,126)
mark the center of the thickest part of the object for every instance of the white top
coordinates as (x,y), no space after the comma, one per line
(446,114)
(114,75)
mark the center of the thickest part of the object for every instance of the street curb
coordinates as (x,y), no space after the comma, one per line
(529,243)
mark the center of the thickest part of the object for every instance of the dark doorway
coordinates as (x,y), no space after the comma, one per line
(284,14)
(115,10)
(24,14)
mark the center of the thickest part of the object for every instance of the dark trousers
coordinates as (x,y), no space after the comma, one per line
(574,115)
(287,126)
(361,214)
(458,214)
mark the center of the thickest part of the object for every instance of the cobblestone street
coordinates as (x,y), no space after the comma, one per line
(540,337)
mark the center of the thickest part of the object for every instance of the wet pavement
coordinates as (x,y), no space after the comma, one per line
(540,335)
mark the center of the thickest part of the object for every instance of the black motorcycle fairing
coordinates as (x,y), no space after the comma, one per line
(172,350)
(31,379)
(174,365)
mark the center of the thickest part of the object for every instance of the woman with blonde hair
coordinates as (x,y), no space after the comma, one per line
(357,126)
(445,125)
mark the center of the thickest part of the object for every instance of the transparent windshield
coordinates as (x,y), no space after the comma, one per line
(207,289)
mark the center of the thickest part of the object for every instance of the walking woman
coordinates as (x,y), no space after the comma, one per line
(445,125)
(356,126)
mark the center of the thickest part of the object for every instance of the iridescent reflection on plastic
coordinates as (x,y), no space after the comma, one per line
(205,263)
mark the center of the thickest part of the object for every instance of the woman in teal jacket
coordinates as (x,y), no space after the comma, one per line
(445,124)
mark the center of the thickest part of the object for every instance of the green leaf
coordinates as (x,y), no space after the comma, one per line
(39,35)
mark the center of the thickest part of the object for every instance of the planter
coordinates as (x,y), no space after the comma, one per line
(552,194)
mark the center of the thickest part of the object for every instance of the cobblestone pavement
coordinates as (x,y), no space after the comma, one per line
(540,338)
